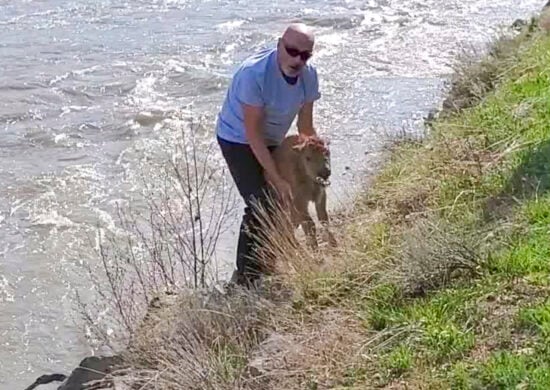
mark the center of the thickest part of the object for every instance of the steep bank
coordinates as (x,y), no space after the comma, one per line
(440,280)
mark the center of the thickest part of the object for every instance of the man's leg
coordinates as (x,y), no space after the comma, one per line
(249,179)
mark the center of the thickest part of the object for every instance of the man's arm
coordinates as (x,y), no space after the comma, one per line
(253,129)
(252,123)
(250,96)
(251,100)
(305,120)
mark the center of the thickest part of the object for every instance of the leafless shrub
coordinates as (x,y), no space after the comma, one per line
(432,253)
(167,246)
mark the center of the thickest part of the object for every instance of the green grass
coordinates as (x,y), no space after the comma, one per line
(484,171)
(399,361)
(230,361)
(502,370)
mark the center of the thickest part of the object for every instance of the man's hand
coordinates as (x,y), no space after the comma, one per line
(283,190)
(252,123)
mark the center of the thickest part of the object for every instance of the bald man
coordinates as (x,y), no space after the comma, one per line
(267,92)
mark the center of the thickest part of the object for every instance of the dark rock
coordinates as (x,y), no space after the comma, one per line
(431,117)
(90,369)
(46,379)
(519,24)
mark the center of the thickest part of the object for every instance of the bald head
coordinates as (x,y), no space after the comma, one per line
(299,34)
(294,48)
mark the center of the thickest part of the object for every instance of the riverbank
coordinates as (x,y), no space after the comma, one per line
(440,279)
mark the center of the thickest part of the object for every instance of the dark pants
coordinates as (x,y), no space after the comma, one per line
(249,178)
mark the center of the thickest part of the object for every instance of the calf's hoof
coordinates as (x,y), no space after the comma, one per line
(312,243)
(331,239)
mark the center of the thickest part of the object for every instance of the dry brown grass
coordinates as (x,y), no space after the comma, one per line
(215,339)
(259,339)
(239,341)
(202,349)
(197,341)
(315,352)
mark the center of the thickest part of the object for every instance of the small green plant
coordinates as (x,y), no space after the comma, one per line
(504,370)
(537,318)
(383,307)
(460,378)
(399,361)
(230,361)
(447,341)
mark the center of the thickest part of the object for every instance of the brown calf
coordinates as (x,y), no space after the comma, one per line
(304,162)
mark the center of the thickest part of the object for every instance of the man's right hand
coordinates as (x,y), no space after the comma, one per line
(252,122)
(283,190)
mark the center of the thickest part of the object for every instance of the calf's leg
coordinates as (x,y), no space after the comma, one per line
(322,214)
(307,224)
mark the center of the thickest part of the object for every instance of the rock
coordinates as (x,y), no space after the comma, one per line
(46,379)
(91,368)
(431,117)
(519,24)
(270,355)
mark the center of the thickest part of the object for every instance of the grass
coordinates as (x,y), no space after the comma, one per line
(442,274)
(472,197)
(483,172)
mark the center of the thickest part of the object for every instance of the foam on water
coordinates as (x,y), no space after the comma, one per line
(6,291)
(51,219)
(329,44)
(230,25)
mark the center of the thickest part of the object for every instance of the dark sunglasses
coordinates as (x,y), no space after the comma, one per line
(304,55)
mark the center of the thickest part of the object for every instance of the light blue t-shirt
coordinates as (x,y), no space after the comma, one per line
(259,82)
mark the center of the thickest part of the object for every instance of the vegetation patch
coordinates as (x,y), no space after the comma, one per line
(440,280)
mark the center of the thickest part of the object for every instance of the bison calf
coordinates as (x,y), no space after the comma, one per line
(304,162)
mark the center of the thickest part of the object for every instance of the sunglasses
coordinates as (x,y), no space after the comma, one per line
(304,55)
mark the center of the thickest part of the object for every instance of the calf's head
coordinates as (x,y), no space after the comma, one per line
(314,156)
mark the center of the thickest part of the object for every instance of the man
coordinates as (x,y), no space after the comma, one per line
(268,90)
